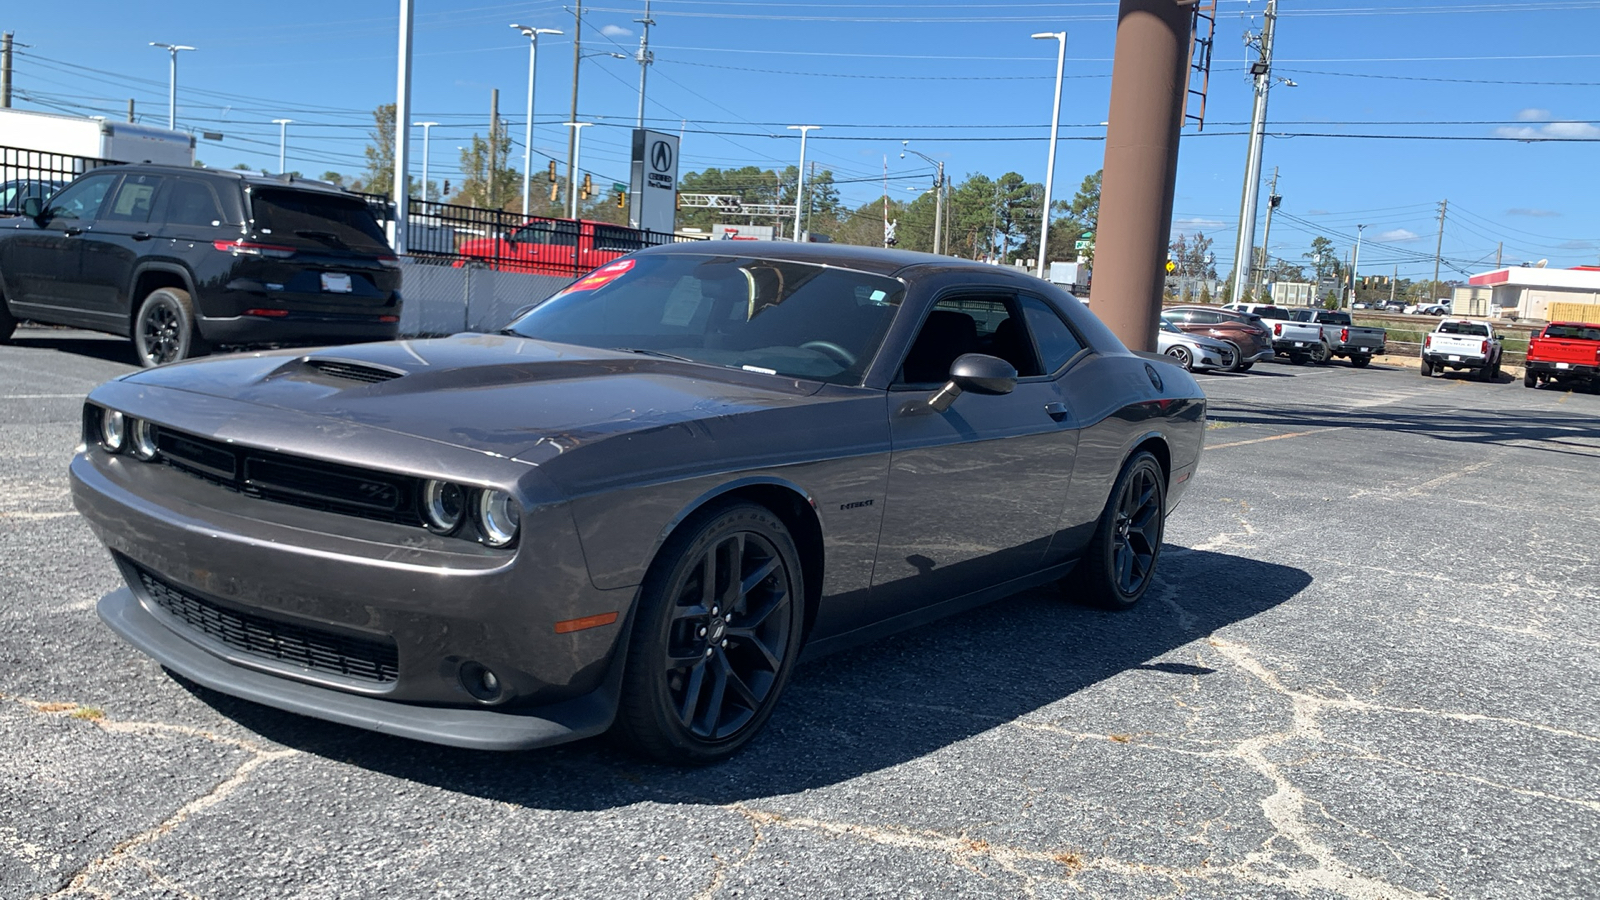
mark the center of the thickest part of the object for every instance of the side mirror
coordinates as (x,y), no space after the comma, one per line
(976,372)
(32,207)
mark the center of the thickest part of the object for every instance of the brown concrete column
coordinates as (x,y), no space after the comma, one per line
(1149,86)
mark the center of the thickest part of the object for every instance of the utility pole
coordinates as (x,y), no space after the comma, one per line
(1355,262)
(1499,251)
(1262,70)
(1438,250)
(130,109)
(938,192)
(645,56)
(1266,234)
(283,140)
(572,118)
(5,70)
(489,198)
(402,134)
(1392,282)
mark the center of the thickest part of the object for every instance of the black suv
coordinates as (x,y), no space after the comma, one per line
(182,259)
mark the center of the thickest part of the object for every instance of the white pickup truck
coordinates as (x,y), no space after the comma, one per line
(1301,342)
(1462,344)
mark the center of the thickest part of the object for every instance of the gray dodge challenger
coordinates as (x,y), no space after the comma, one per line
(638,505)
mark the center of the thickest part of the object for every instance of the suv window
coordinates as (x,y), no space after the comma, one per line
(1057,342)
(318,219)
(134,199)
(191,201)
(82,198)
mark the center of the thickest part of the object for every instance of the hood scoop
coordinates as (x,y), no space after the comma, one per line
(351,370)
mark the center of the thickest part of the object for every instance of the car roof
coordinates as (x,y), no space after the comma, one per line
(875,260)
(252,179)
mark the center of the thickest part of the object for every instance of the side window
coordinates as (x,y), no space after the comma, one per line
(190,201)
(960,325)
(1057,342)
(608,237)
(133,200)
(82,199)
(1204,318)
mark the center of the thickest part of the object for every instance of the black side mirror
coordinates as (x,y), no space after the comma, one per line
(32,207)
(976,372)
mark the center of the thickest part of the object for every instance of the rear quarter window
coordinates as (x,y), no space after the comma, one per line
(315,218)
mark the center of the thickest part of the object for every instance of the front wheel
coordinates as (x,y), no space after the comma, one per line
(714,638)
(164,330)
(1181,355)
(1238,364)
(1120,561)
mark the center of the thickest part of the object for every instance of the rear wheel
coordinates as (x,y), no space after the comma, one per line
(164,330)
(1529,380)
(1320,354)
(1427,369)
(1360,360)
(1181,355)
(715,637)
(1120,561)
(1298,358)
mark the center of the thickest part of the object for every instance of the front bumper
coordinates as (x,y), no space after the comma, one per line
(477,729)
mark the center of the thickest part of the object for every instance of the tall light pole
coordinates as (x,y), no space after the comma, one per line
(572,183)
(402,134)
(172,83)
(572,117)
(800,184)
(1355,262)
(425,126)
(645,56)
(532,35)
(283,139)
(1261,69)
(938,192)
(1055,126)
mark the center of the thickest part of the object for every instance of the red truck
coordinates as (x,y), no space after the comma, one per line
(553,247)
(1565,352)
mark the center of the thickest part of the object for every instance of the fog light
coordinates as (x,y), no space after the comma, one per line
(144,439)
(481,683)
(113,431)
(443,506)
(499,517)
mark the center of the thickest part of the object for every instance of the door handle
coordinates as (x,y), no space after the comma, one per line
(1057,410)
(141,235)
(74,231)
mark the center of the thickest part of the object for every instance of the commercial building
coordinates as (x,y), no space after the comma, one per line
(1525,292)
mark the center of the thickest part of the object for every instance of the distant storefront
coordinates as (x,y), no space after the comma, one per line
(1533,293)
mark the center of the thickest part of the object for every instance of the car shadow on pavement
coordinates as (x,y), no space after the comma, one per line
(856,712)
(78,343)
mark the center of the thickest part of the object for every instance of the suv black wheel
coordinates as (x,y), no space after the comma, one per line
(164,330)
(8,322)
(714,638)
(1120,561)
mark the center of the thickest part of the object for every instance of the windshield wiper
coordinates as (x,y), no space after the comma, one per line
(656,353)
(327,237)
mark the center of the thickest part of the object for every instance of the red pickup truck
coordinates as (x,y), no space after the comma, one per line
(1564,352)
(553,247)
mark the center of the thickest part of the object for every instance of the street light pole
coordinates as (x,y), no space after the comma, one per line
(527,135)
(572,184)
(1355,263)
(172,82)
(402,135)
(283,132)
(1055,126)
(938,192)
(572,117)
(800,183)
(424,126)
(1261,69)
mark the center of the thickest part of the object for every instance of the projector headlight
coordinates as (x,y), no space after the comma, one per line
(113,431)
(443,506)
(499,517)
(144,439)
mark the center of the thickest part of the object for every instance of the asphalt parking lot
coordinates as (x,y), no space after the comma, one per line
(1368,670)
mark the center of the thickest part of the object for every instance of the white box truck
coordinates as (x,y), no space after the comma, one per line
(92,138)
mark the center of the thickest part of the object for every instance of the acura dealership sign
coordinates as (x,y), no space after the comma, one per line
(653,188)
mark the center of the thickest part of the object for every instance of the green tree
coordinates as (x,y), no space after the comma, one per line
(1324,259)
(490,182)
(379,177)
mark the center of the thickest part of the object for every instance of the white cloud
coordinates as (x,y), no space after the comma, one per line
(616,31)
(1397,236)
(1190,226)
(1533,114)
(1534,213)
(1583,130)
(1572,130)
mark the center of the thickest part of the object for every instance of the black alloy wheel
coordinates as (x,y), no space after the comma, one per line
(1181,355)
(715,637)
(164,329)
(1120,561)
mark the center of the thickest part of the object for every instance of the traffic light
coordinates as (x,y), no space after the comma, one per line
(552,173)
(622,199)
(553,188)
(588,186)
(677,201)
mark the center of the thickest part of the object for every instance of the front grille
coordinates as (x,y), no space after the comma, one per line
(347,371)
(362,659)
(293,480)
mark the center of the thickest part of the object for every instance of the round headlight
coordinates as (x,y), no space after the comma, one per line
(499,517)
(443,506)
(113,431)
(144,439)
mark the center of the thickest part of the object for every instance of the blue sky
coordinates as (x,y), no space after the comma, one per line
(963,81)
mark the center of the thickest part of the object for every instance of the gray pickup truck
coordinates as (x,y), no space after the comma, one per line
(1344,338)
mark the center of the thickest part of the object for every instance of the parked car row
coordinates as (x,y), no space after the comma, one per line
(1252,332)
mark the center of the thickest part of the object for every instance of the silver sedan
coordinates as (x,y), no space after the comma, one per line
(1194,353)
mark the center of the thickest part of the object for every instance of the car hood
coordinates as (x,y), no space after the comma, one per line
(508,396)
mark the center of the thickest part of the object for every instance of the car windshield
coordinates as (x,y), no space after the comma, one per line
(1270,312)
(1468,328)
(318,219)
(1168,326)
(771,316)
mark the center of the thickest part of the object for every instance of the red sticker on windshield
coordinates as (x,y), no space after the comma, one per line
(601,276)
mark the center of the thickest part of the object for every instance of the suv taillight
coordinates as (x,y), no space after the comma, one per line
(389,262)
(247,248)
(1344,335)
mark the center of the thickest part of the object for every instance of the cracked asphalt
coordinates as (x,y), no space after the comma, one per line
(1368,670)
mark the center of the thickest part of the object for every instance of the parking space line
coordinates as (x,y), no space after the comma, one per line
(42,396)
(1276,437)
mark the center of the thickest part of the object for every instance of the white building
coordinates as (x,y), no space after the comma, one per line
(1528,293)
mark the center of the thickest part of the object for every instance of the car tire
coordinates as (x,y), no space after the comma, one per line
(1494,374)
(1529,380)
(164,329)
(698,686)
(1181,355)
(1427,369)
(1320,355)
(1360,361)
(1120,562)
(1238,364)
(1298,358)
(8,322)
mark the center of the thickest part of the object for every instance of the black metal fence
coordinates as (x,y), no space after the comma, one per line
(35,173)
(511,242)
